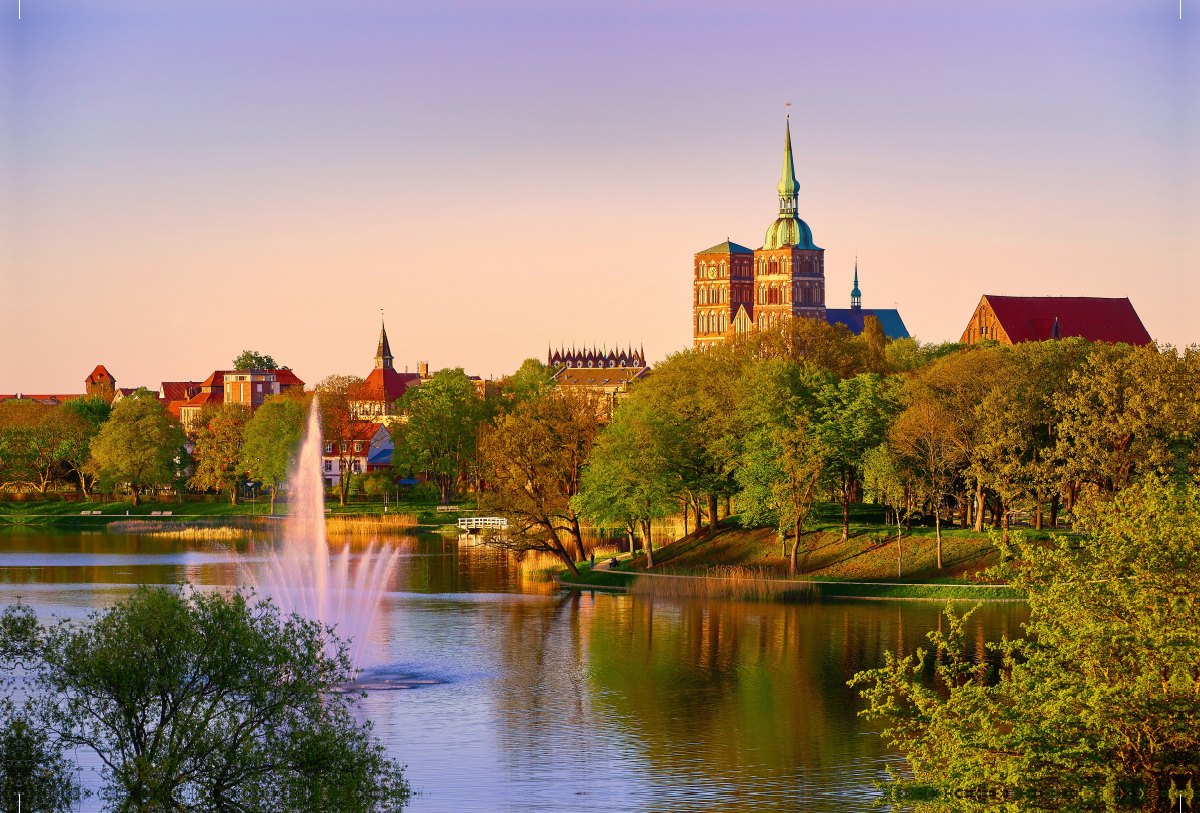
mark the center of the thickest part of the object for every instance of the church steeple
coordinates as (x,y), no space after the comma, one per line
(855,294)
(788,187)
(788,229)
(383,356)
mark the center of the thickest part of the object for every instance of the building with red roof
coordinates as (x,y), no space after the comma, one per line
(246,387)
(101,383)
(1013,319)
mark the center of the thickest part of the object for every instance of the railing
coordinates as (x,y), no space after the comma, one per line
(442,509)
(473,523)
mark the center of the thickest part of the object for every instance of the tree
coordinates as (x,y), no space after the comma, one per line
(206,702)
(439,429)
(252,360)
(530,379)
(626,479)
(272,443)
(93,411)
(533,460)
(40,439)
(1100,700)
(218,451)
(783,458)
(886,479)
(140,445)
(853,418)
(926,436)
(34,775)
(338,398)
(958,383)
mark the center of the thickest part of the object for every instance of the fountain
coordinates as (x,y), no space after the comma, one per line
(303,578)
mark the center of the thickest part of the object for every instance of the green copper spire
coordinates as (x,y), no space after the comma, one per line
(855,294)
(788,229)
(788,187)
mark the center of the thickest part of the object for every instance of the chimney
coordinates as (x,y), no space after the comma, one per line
(423,369)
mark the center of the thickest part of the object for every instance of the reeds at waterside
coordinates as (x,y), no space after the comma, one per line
(177,530)
(726,583)
(369,524)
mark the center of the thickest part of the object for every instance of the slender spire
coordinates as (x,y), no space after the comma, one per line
(383,356)
(855,294)
(788,187)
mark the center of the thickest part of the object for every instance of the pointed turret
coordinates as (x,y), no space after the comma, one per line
(788,187)
(788,229)
(855,294)
(383,356)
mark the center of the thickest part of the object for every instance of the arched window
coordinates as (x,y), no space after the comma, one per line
(721,271)
(704,321)
(702,296)
(774,266)
(762,293)
(724,321)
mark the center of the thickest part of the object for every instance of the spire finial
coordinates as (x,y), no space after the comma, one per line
(383,355)
(855,294)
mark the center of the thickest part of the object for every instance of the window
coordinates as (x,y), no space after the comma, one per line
(329,465)
(357,467)
(260,387)
(345,446)
(358,445)
(703,327)
(328,448)
(703,295)
(722,271)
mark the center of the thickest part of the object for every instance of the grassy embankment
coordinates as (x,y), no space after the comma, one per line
(63,514)
(736,562)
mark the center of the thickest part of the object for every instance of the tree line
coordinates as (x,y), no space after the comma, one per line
(771,422)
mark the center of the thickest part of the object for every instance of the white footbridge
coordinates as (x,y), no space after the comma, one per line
(478,523)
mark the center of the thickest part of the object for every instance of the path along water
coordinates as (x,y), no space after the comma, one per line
(545,700)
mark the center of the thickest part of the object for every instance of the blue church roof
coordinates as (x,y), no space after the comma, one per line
(889,319)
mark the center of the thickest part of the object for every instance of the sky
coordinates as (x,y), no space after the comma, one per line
(181,181)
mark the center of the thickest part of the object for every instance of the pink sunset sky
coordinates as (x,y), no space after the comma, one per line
(183,180)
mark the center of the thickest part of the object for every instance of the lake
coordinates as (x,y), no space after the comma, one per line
(539,699)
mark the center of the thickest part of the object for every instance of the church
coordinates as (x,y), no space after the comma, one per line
(738,288)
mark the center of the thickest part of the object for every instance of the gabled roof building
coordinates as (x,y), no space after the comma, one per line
(1013,319)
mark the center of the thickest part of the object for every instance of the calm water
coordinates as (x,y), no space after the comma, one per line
(544,700)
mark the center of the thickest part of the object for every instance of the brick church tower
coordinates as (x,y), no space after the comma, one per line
(737,288)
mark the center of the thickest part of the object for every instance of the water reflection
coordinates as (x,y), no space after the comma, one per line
(523,698)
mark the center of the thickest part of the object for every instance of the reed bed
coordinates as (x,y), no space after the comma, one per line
(178,530)
(370,524)
(726,583)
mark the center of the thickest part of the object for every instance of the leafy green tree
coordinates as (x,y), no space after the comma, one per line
(253,360)
(272,443)
(1100,700)
(627,479)
(530,379)
(206,702)
(783,458)
(34,775)
(439,429)
(887,479)
(925,435)
(140,445)
(218,452)
(1118,415)
(40,441)
(853,418)
(533,461)
(92,411)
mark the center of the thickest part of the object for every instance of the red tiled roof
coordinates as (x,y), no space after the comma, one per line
(126,391)
(1097,319)
(387,383)
(286,378)
(100,375)
(178,390)
(173,408)
(202,398)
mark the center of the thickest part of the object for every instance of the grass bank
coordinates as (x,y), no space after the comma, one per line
(750,563)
